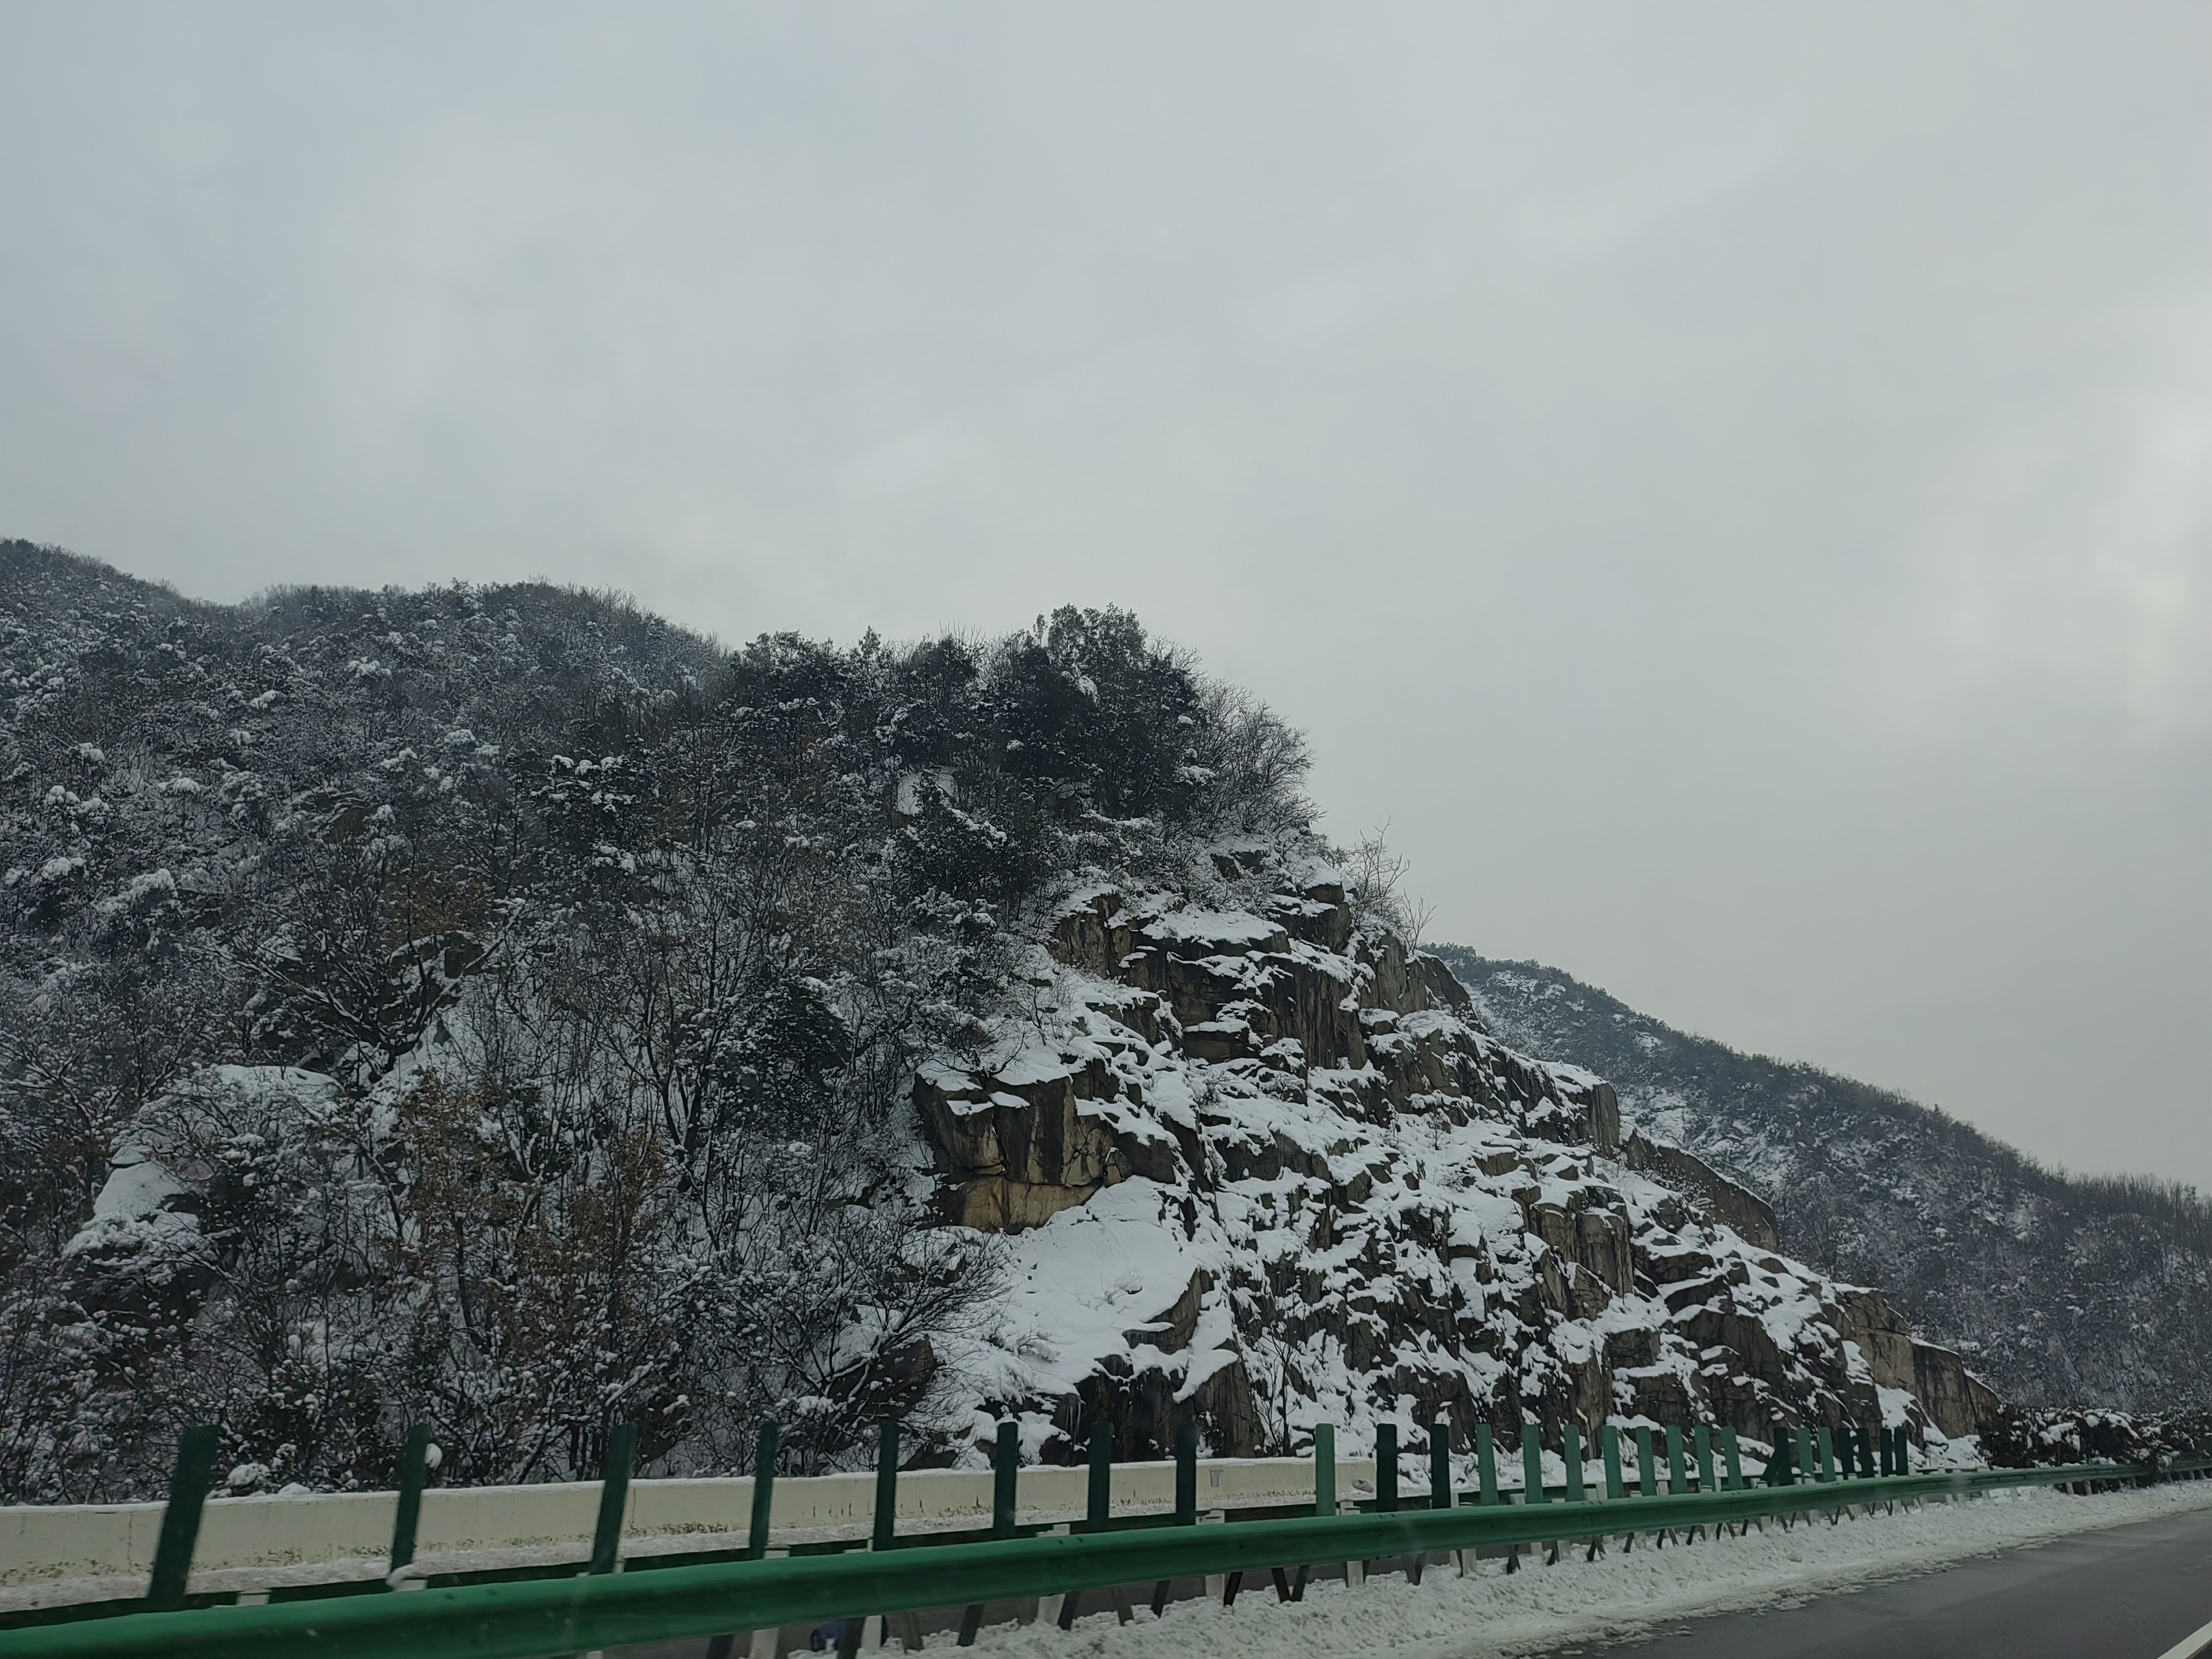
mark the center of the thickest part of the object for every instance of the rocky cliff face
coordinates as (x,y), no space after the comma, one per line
(1254,1161)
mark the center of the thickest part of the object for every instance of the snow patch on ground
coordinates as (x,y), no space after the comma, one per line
(1489,1613)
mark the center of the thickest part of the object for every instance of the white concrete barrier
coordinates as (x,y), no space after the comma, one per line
(40,1544)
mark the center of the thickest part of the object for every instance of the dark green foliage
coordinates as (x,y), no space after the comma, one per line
(1094,717)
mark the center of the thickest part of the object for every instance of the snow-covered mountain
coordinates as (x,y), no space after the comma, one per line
(2061,1290)
(501,1006)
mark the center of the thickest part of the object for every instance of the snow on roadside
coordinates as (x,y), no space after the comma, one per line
(1490,1613)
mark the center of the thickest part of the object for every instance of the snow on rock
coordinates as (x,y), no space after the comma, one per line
(141,1205)
(1261,1168)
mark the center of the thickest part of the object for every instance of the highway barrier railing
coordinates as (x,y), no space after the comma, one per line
(889,1575)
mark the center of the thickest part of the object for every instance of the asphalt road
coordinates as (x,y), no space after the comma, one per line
(2128,1592)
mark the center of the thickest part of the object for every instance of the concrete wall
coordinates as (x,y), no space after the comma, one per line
(44,1542)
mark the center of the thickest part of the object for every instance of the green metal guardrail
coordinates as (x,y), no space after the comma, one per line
(522,1619)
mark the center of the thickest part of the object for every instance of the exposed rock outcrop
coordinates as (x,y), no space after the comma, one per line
(1718,1197)
(1256,1163)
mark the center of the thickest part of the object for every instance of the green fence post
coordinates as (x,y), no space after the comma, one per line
(1440,1470)
(614,1494)
(1570,1451)
(406,1515)
(1609,1436)
(1099,1511)
(1884,1444)
(1531,1465)
(887,1465)
(1647,1469)
(1678,1479)
(1324,1468)
(1734,1455)
(1904,1457)
(1826,1444)
(1006,1466)
(1805,1452)
(1702,1442)
(189,1480)
(763,1489)
(1866,1454)
(1486,1465)
(1186,1508)
(1847,1445)
(1386,1468)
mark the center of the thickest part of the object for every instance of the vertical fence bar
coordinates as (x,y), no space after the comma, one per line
(1734,1458)
(1186,1445)
(885,1534)
(1005,1468)
(407,1515)
(1904,1454)
(1609,1438)
(1186,1508)
(1804,1452)
(1866,1452)
(1443,1492)
(1677,1476)
(1884,1444)
(1846,1452)
(1324,1496)
(1647,1471)
(1098,1512)
(1570,1451)
(763,1489)
(189,1481)
(1386,1468)
(1782,1466)
(887,1466)
(1826,1444)
(1486,1465)
(1531,1465)
(614,1495)
(1702,1444)
(1005,1465)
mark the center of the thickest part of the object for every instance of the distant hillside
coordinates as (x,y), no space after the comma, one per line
(2060,1290)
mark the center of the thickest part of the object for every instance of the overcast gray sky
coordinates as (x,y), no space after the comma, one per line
(1730,485)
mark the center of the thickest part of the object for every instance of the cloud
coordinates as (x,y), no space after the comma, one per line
(913,458)
(2070,555)
(1116,383)
(1336,306)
